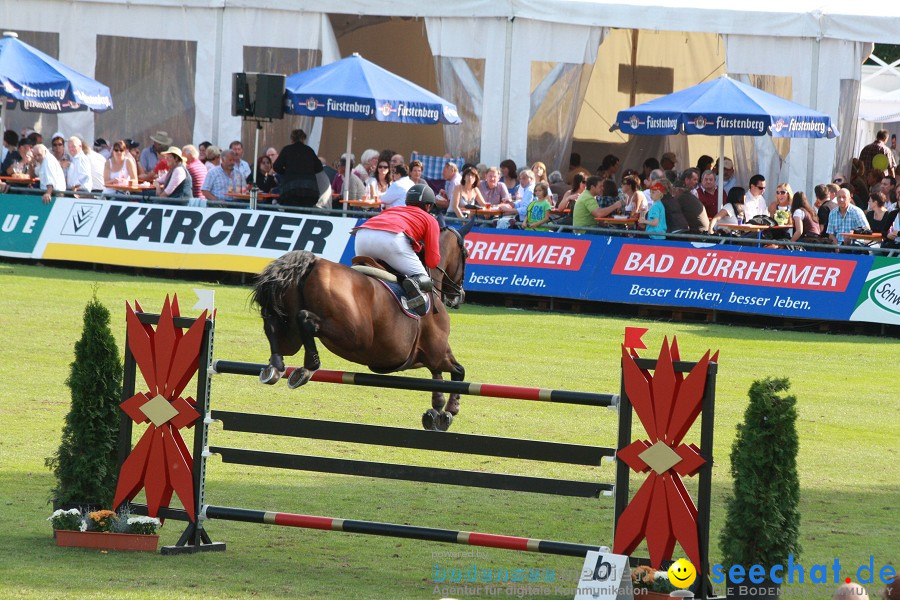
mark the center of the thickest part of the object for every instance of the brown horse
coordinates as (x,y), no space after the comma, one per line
(302,297)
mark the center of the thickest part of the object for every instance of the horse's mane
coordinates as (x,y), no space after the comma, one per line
(275,281)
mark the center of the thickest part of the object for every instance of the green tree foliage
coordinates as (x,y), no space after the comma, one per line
(85,463)
(762,524)
(886,52)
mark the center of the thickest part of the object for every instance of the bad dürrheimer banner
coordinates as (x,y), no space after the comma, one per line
(744,279)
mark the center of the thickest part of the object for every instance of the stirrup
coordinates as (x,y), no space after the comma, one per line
(417,304)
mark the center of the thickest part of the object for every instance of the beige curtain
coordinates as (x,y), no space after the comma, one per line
(152,85)
(461,81)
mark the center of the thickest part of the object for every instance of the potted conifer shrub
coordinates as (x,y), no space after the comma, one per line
(762,523)
(85,464)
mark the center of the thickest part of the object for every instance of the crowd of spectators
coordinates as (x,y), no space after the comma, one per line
(687,200)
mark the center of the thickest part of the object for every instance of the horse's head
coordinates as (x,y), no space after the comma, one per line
(453,265)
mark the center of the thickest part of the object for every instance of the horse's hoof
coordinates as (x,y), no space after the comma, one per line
(299,377)
(445,419)
(430,419)
(452,406)
(270,375)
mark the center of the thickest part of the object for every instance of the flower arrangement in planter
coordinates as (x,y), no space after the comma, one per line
(656,583)
(105,529)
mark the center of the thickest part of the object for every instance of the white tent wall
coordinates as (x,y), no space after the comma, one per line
(242,27)
(818,44)
(80,23)
(512,51)
(219,34)
(635,66)
(816,68)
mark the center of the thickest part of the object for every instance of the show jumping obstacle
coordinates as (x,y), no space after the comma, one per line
(161,464)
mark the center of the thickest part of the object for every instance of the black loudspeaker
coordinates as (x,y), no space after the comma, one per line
(269,97)
(258,95)
(240,96)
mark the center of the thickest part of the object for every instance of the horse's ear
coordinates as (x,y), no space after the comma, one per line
(442,222)
(467,227)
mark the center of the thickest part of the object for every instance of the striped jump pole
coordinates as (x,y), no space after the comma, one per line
(400,382)
(470,538)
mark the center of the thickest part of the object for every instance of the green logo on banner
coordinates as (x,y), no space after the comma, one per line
(22,219)
(884,290)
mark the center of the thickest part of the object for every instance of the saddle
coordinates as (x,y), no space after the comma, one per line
(390,279)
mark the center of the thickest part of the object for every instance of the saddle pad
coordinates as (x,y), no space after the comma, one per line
(375,272)
(397,293)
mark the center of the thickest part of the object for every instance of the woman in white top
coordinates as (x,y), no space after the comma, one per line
(635,203)
(466,193)
(379,182)
(120,169)
(732,211)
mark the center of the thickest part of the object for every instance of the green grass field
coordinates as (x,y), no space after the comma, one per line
(848,417)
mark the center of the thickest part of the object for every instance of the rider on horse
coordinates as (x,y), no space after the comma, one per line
(397,234)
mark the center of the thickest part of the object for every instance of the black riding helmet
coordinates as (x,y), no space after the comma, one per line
(420,195)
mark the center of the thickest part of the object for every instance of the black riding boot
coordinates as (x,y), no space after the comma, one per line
(415,287)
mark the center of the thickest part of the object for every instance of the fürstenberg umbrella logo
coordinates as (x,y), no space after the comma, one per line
(81,219)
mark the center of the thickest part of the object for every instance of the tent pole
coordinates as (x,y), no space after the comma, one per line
(254,188)
(721,169)
(347,162)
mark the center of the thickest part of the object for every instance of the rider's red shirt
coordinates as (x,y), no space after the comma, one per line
(419,225)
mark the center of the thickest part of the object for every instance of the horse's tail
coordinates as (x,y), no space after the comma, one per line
(276,281)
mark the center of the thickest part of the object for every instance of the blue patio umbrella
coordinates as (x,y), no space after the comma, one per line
(723,107)
(37,82)
(356,89)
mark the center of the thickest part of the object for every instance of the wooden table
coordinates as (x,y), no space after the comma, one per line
(20,180)
(745,227)
(246,196)
(561,211)
(862,237)
(368,204)
(487,212)
(623,221)
(128,187)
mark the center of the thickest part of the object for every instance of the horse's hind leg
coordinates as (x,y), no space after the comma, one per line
(272,372)
(311,363)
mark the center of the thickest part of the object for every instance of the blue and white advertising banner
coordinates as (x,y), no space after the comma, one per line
(734,278)
(742,279)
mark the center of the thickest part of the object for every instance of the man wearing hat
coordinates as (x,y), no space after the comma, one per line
(150,156)
(668,161)
(101,146)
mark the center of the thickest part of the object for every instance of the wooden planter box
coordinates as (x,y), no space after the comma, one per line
(107,541)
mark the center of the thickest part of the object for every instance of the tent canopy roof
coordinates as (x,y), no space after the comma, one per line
(838,19)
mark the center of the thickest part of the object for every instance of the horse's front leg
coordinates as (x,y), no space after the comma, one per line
(431,418)
(271,373)
(457,373)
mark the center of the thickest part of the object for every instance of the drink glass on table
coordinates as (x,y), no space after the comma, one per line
(740,220)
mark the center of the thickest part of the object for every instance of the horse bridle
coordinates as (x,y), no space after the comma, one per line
(446,280)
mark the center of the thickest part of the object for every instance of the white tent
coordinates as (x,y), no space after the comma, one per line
(519,70)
